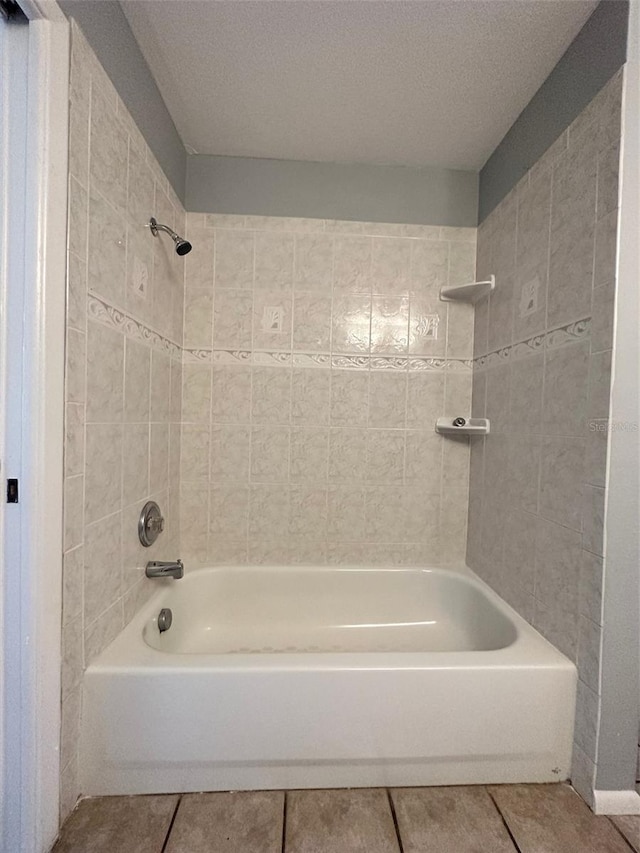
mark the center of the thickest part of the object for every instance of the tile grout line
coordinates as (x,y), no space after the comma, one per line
(395,820)
(504,821)
(284,823)
(171,823)
(622,835)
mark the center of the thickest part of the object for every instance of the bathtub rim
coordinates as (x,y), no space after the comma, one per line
(130,652)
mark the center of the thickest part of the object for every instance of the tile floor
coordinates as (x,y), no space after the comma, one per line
(478,819)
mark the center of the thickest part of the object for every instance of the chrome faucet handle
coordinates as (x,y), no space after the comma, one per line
(150,523)
(155,525)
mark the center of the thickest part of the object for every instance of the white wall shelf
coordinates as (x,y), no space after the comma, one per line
(462,426)
(471,292)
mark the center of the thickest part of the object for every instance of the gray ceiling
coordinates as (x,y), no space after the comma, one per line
(396,82)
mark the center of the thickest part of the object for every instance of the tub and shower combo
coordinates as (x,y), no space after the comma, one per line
(325,677)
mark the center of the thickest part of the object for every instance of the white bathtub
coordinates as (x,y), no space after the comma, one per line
(325,677)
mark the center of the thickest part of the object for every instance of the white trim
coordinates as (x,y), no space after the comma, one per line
(616,802)
(33,537)
(43,469)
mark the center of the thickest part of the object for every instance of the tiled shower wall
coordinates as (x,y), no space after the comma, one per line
(542,374)
(317,359)
(123,379)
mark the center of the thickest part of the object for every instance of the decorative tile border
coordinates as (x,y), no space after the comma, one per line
(326,360)
(570,333)
(333,226)
(117,319)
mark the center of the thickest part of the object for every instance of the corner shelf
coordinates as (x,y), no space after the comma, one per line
(471,426)
(471,292)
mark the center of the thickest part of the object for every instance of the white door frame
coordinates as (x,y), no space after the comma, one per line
(32,324)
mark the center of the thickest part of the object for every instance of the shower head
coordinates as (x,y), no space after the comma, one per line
(183,247)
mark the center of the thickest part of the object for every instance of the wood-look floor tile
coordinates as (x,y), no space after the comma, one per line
(238,822)
(629,826)
(449,820)
(342,821)
(553,819)
(108,824)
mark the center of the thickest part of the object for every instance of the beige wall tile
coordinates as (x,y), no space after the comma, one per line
(196,394)
(103,478)
(70,728)
(309,454)
(390,325)
(346,518)
(230,453)
(273,260)
(135,460)
(349,398)
(72,580)
(229,508)
(310,396)
(109,150)
(352,265)
(423,456)
(76,291)
(385,455)
(427,326)
(313,265)
(425,399)
(272,319)
(74,439)
(270,395)
(599,385)
(102,566)
(137,382)
(234,255)
(457,395)
(387,400)
(103,631)
(72,655)
(195,453)
(73,512)
(231,394)
(199,263)
(269,454)
(232,319)
(347,455)
(107,250)
(460,324)
(429,267)
(308,512)
(105,374)
(565,390)
(198,318)
(593,519)
(391,266)
(78,219)
(76,366)
(312,322)
(268,512)
(159,458)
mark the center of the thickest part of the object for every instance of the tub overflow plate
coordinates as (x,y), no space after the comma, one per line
(165,618)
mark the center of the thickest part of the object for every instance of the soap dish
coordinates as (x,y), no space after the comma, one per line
(462,426)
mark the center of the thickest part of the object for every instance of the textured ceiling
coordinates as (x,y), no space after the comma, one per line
(413,83)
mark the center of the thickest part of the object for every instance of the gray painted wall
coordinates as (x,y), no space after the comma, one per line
(243,185)
(596,53)
(107,30)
